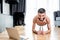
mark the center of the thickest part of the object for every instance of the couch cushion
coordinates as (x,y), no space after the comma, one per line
(58,18)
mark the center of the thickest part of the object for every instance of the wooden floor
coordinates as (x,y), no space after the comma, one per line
(55,35)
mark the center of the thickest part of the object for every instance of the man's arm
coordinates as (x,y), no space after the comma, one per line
(49,26)
(49,29)
(33,26)
(33,29)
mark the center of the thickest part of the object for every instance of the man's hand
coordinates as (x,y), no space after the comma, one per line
(41,32)
(48,31)
(34,31)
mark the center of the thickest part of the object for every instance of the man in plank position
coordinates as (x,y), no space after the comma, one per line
(41,19)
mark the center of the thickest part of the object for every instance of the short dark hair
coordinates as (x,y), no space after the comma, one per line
(41,10)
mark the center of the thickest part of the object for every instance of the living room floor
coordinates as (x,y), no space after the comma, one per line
(55,35)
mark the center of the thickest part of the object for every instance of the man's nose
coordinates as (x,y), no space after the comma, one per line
(41,17)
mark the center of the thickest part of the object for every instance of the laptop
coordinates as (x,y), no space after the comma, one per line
(13,34)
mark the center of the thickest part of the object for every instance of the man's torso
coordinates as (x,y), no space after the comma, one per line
(40,23)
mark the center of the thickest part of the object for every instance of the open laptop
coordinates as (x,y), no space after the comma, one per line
(13,34)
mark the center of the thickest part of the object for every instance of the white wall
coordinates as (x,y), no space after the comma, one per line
(5,8)
(59,4)
(30,13)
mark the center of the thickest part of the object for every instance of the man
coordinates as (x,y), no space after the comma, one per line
(41,19)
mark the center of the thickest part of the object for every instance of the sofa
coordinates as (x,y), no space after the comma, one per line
(57,18)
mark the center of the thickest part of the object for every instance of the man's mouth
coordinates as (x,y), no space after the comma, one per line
(41,19)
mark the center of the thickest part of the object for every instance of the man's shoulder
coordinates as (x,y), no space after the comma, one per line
(34,19)
(48,19)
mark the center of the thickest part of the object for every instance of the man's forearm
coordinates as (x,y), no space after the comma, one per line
(34,31)
(49,31)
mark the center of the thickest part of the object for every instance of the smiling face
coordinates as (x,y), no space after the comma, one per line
(41,15)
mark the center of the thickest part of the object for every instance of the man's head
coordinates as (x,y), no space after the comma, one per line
(41,13)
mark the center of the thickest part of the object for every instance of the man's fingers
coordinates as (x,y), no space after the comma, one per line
(41,32)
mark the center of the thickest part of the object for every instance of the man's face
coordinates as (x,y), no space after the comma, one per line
(41,15)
